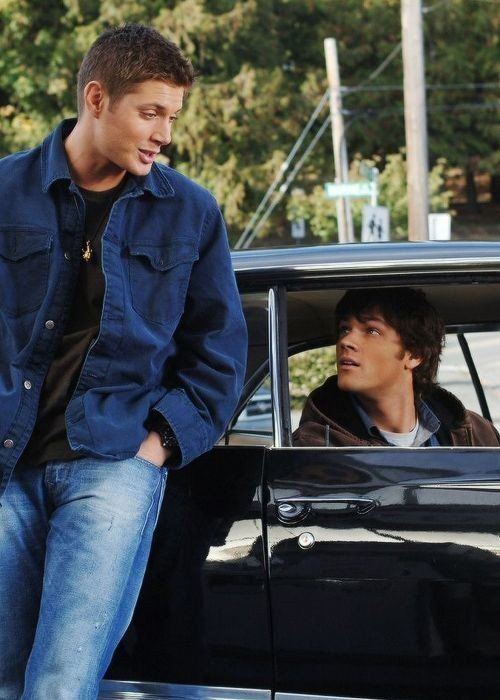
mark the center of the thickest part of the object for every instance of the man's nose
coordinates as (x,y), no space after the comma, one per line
(348,341)
(163,134)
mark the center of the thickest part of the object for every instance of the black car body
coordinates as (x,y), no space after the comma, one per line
(341,573)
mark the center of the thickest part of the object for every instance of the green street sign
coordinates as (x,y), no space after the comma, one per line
(334,190)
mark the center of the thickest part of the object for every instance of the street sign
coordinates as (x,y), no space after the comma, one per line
(375,226)
(334,190)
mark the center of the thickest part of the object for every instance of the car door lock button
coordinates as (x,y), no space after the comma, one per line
(306,540)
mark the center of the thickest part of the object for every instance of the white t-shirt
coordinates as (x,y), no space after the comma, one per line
(401,439)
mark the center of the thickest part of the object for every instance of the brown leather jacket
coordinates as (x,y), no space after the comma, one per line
(330,418)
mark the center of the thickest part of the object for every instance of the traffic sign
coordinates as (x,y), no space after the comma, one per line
(375,228)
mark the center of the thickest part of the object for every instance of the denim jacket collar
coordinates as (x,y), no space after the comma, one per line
(55,166)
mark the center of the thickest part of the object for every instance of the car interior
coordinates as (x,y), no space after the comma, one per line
(469,367)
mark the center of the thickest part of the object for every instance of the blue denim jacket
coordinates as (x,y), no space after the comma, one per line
(172,334)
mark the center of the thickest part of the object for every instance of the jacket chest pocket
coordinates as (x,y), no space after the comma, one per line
(24,268)
(159,278)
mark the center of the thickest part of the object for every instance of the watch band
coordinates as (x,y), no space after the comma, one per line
(162,427)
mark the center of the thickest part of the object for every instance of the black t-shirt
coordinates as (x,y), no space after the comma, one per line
(49,440)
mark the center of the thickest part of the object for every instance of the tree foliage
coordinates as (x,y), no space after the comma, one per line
(261,74)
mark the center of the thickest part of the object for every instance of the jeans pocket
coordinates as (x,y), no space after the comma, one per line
(162,494)
(148,463)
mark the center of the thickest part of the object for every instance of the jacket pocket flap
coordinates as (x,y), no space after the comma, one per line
(163,257)
(17,242)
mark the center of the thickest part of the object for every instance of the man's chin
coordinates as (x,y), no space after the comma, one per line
(139,169)
(142,172)
(344,384)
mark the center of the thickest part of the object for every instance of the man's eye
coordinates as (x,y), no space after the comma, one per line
(373,331)
(172,119)
(343,330)
(149,115)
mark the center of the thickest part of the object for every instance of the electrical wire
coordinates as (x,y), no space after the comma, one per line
(436,87)
(250,228)
(255,224)
(459,106)
(283,168)
(284,187)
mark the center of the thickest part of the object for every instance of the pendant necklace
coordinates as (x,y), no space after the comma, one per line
(88,251)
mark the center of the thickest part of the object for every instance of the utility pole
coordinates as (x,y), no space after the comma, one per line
(415,119)
(344,218)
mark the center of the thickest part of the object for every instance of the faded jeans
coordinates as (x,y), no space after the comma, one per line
(74,543)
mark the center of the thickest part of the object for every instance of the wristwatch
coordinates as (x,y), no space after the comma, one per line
(167,436)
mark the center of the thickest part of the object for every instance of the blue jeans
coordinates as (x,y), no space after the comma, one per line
(74,542)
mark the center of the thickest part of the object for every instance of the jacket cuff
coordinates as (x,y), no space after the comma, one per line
(186,423)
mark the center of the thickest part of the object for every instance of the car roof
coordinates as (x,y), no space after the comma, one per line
(308,266)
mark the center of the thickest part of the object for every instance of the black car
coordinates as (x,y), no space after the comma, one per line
(333,572)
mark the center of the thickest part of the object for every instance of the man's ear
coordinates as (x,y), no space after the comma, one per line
(94,97)
(412,361)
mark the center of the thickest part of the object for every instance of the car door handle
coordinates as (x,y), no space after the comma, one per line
(294,509)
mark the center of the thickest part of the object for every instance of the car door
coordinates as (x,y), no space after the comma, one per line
(384,571)
(201,625)
(384,564)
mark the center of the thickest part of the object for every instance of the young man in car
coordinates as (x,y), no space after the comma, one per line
(122,354)
(385,392)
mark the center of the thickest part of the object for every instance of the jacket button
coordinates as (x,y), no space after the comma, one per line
(67,256)
(27,384)
(8,444)
(49,325)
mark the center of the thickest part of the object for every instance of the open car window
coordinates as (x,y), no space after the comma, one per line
(310,368)
(484,349)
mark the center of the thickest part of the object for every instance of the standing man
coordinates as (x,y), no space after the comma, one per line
(122,354)
(389,345)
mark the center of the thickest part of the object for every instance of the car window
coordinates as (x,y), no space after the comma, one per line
(307,370)
(254,423)
(256,416)
(484,350)
(454,374)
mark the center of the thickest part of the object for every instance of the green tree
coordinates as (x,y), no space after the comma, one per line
(261,74)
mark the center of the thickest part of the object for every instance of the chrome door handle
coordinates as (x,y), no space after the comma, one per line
(296,508)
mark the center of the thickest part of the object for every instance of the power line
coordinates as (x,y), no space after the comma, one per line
(346,90)
(248,232)
(391,56)
(365,113)
(284,187)
(283,168)
(437,5)
(460,107)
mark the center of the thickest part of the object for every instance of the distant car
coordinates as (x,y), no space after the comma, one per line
(283,572)
(257,414)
